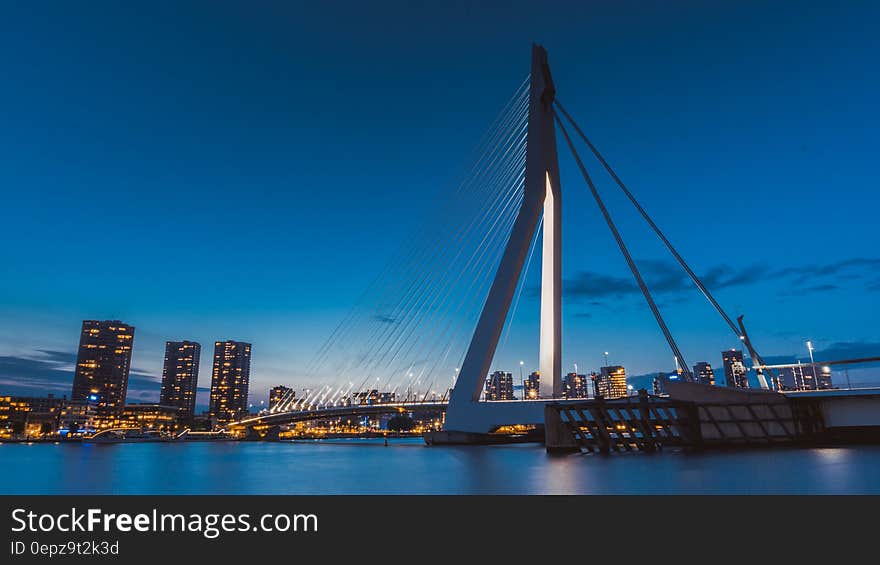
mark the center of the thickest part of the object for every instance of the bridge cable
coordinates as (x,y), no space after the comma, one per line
(490,144)
(442,246)
(629,260)
(739,332)
(653,225)
(420,294)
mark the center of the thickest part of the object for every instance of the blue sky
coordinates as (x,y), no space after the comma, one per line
(243,170)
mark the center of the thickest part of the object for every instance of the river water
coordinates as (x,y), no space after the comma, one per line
(407,466)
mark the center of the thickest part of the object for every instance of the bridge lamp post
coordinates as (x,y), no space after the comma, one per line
(812,364)
(522,381)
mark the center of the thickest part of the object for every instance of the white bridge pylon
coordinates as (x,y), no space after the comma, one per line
(542,197)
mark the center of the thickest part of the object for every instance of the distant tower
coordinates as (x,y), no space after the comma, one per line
(611,382)
(704,374)
(499,386)
(532,386)
(658,385)
(734,368)
(574,385)
(102,365)
(277,395)
(229,380)
(180,376)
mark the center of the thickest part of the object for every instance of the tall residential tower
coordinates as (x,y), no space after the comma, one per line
(229,380)
(102,365)
(180,376)
(734,368)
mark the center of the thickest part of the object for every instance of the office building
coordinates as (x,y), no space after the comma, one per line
(734,368)
(277,394)
(229,381)
(704,374)
(575,386)
(499,386)
(610,382)
(103,362)
(180,377)
(532,386)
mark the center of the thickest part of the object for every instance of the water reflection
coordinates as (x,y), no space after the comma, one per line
(408,466)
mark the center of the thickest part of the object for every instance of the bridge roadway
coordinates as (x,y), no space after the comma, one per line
(293,416)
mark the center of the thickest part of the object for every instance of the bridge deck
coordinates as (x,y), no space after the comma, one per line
(294,416)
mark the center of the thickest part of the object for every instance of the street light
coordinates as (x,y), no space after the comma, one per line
(812,363)
(606,358)
(522,381)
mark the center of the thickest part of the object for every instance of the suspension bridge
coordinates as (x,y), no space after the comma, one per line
(426,331)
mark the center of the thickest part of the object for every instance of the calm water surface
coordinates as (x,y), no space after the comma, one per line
(409,467)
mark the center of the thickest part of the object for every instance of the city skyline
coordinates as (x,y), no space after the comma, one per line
(719,153)
(181,371)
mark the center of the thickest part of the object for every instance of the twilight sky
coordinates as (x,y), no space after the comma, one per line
(214,170)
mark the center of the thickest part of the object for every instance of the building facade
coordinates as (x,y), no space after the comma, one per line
(277,394)
(30,416)
(734,368)
(180,377)
(658,385)
(230,379)
(611,382)
(77,417)
(532,386)
(103,363)
(704,374)
(575,386)
(150,416)
(499,386)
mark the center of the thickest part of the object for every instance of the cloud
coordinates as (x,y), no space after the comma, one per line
(595,285)
(866,264)
(665,277)
(58,356)
(827,287)
(52,372)
(848,350)
(662,277)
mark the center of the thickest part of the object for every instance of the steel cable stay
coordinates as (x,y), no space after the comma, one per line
(477,259)
(490,143)
(426,294)
(487,263)
(629,260)
(443,309)
(418,305)
(426,250)
(495,158)
(429,275)
(738,329)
